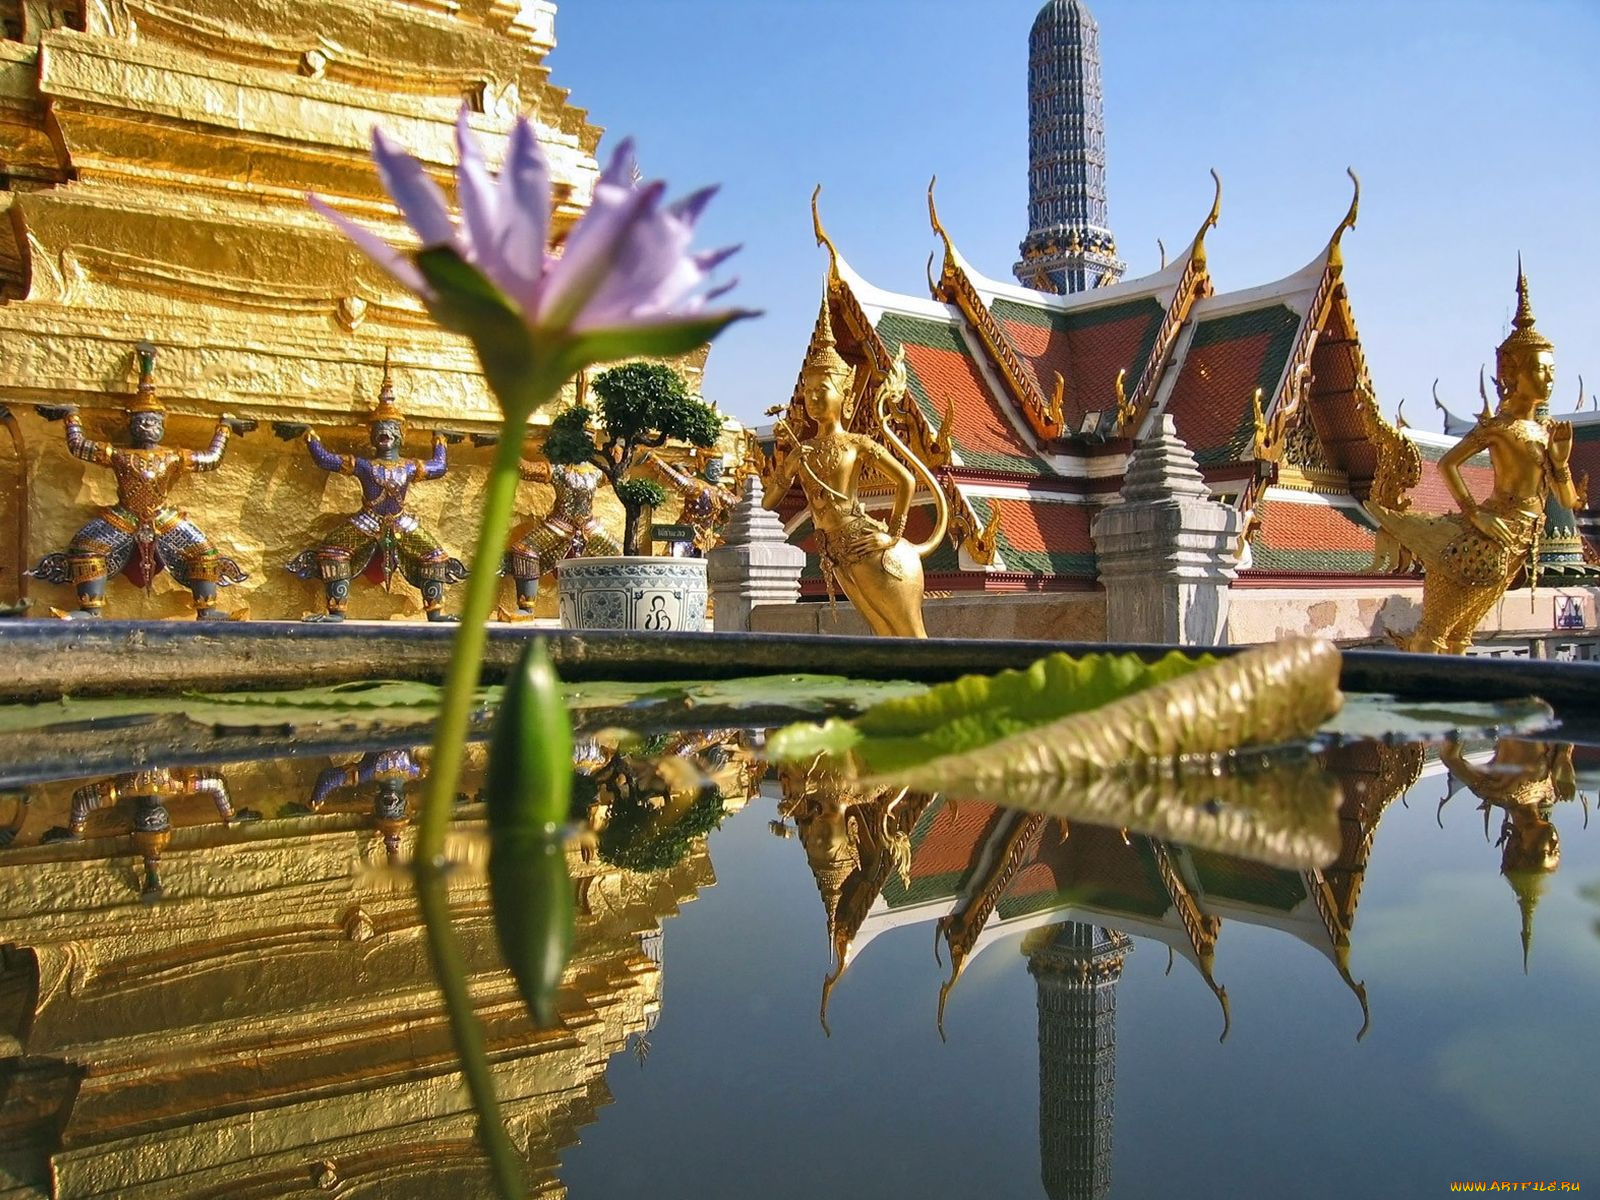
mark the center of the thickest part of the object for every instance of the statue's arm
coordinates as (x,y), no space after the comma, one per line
(210,458)
(905,484)
(534,470)
(331,780)
(1450,467)
(342,464)
(82,447)
(436,463)
(777,481)
(1573,495)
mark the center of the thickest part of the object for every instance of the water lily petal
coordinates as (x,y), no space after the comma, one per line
(691,206)
(397,264)
(525,218)
(416,194)
(595,251)
(621,169)
(475,191)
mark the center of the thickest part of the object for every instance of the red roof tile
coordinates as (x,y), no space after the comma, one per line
(1088,348)
(1228,359)
(942,370)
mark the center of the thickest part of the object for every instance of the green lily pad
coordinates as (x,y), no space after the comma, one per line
(975,710)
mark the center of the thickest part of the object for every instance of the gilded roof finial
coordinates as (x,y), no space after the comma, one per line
(822,236)
(1210,222)
(938,228)
(145,398)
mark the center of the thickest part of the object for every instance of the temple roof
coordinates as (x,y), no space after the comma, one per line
(1026,404)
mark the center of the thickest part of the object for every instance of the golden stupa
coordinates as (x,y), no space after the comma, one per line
(154,166)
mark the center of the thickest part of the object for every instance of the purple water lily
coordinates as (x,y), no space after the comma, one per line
(625,282)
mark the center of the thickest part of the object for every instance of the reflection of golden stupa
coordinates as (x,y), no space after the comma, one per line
(273,1026)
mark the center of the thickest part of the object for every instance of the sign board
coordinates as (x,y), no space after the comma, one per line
(672,533)
(1569,612)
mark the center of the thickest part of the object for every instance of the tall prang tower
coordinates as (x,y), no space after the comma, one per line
(1069,247)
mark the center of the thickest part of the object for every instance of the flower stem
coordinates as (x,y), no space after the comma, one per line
(444,771)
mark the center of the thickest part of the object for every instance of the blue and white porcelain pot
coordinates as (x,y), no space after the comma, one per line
(632,592)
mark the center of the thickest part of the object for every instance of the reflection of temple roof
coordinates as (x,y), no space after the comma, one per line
(985,875)
(1027,403)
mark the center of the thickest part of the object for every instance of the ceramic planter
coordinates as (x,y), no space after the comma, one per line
(651,595)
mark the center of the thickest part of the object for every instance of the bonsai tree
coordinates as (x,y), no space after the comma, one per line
(642,405)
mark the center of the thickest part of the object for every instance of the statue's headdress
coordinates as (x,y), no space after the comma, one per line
(824,357)
(1524,341)
(387,409)
(145,398)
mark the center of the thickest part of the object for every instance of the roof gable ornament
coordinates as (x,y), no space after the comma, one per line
(1335,254)
(955,287)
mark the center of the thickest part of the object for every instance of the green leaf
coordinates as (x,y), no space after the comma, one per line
(977,709)
(465,301)
(653,341)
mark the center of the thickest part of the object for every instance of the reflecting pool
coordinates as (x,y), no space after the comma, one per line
(214,984)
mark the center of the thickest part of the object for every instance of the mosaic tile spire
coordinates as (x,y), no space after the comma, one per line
(1069,247)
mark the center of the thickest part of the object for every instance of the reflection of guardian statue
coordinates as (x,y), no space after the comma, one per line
(1523,780)
(1472,557)
(142,533)
(569,530)
(152,823)
(706,503)
(384,537)
(389,771)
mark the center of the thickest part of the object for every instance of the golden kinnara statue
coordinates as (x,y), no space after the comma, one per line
(142,532)
(871,562)
(1472,557)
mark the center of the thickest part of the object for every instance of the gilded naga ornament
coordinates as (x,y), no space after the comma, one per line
(569,530)
(384,537)
(868,558)
(706,503)
(142,533)
(1472,557)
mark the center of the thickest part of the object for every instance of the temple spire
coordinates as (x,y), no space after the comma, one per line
(1069,247)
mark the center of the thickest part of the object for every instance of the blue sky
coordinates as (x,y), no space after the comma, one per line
(1475,128)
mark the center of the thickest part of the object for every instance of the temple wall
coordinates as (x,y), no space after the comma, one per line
(1256,615)
(265,504)
(1060,617)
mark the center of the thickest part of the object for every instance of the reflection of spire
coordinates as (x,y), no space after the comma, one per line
(1076,968)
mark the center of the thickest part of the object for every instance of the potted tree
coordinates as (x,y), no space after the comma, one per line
(642,405)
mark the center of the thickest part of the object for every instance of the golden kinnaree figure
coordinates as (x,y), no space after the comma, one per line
(872,563)
(1473,556)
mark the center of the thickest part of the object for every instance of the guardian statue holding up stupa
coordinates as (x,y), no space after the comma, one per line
(142,533)
(1472,557)
(384,537)
(866,556)
(568,530)
(706,503)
